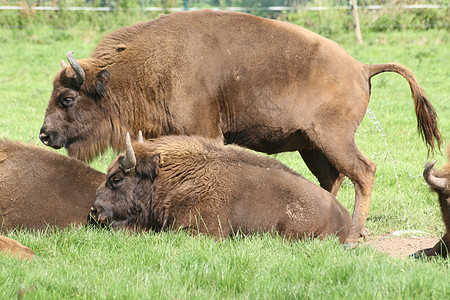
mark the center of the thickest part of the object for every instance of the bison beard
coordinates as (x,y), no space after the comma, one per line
(264,84)
(192,183)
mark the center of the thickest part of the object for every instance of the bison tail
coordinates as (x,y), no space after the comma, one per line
(425,112)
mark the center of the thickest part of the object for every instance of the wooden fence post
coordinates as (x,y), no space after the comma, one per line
(356,22)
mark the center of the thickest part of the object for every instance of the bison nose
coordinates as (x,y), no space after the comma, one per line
(50,138)
(96,210)
(99,213)
(45,138)
(93,219)
(93,212)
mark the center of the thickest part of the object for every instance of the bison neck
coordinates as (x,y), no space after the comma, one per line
(133,112)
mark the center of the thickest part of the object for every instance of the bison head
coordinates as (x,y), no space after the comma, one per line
(439,181)
(73,117)
(126,196)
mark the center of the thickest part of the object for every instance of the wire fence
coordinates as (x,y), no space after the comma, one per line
(323,16)
(235,5)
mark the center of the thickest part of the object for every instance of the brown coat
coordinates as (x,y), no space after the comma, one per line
(15,249)
(263,84)
(201,185)
(439,182)
(40,188)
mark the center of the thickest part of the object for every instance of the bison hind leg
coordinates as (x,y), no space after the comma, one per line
(329,178)
(340,155)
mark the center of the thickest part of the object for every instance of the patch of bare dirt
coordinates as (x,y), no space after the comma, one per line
(400,246)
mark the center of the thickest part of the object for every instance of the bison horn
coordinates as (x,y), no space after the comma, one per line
(140,137)
(63,64)
(433,181)
(129,161)
(77,68)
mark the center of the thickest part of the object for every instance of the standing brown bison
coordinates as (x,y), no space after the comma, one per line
(40,188)
(263,84)
(439,181)
(201,185)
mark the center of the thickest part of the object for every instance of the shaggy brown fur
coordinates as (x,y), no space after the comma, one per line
(442,188)
(40,188)
(15,249)
(263,84)
(201,185)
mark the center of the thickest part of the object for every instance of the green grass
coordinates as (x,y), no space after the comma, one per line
(81,263)
(84,263)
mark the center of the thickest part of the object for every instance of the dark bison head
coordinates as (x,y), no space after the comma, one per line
(75,113)
(126,196)
(439,181)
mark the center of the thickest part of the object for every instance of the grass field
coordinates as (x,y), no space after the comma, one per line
(84,263)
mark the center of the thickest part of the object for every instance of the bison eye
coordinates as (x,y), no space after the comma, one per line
(67,101)
(116,181)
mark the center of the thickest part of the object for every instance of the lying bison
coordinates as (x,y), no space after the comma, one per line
(439,181)
(204,186)
(15,249)
(263,84)
(40,188)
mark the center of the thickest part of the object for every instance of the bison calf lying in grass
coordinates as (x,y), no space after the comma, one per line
(39,187)
(15,249)
(206,187)
(439,181)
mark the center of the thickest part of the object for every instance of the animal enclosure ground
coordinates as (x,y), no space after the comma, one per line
(400,247)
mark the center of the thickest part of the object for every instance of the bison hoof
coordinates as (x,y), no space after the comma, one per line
(355,237)
(364,233)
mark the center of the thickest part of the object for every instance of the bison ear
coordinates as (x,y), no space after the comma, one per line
(148,168)
(103,78)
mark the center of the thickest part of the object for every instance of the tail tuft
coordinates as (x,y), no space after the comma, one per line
(425,112)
